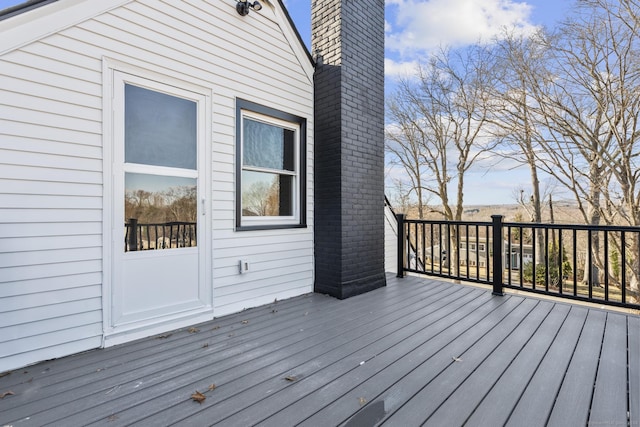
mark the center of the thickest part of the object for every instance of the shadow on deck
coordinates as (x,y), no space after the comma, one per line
(418,351)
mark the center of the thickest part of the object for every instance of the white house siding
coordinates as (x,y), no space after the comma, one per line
(390,240)
(51,163)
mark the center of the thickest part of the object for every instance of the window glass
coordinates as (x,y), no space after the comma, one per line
(160,212)
(268,146)
(266,194)
(270,168)
(160,129)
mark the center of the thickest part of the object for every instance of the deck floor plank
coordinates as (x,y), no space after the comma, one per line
(609,406)
(633,329)
(496,407)
(457,408)
(74,395)
(373,381)
(310,331)
(434,353)
(347,376)
(165,387)
(451,373)
(318,370)
(573,400)
(447,345)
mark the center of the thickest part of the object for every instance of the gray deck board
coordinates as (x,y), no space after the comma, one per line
(634,370)
(247,390)
(573,401)
(444,373)
(434,353)
(195,370)
(525,350)
(609,405)
(498,404)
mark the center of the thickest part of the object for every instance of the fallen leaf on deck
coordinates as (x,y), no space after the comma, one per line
(244,322)
(6,393)
(230,335)
(362,401)
(291,378)
(198,397)
(205,345)
(163,337)
(193,330)
(212,387)
(456,359)
(215,328)
(274,311)
(112,417)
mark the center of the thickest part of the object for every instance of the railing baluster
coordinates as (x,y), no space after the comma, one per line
(547,272)
(606,265)
(535,257)
(623,267)
(478,252)
(521,260)
(560,263)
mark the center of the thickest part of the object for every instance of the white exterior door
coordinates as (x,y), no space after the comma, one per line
(159,244)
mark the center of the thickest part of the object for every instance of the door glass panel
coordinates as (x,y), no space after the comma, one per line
(267,146)
(160,129)
(266,194)
(160,212)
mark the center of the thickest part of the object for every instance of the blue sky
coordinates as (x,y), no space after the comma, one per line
(413,28)
(416,27)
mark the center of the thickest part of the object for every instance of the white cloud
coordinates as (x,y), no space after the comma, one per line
(400,69)
(425,25)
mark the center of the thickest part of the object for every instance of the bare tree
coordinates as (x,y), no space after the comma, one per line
(440,123)
(522,64)
(588,107)
(403,142)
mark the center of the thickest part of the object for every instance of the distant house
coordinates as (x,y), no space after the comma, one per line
(155,169)
(477,253)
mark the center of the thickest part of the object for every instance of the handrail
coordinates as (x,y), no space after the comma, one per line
(599,264)
(156,236)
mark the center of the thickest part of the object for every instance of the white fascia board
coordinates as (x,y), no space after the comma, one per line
(295,43)
(33,25)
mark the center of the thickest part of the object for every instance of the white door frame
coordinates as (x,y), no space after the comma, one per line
(112,71)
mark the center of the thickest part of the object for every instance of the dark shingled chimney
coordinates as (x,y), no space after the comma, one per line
(348,46)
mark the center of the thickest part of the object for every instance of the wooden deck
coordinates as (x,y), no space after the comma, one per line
(418,352)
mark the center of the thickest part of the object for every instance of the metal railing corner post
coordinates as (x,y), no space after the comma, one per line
(498,250)
(401,245)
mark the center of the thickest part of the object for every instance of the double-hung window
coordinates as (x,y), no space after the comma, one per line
(270,168)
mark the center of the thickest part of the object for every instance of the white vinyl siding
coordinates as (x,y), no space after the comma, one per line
(390,241)
(51,163)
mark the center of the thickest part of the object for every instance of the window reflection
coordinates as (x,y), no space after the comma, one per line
(268,146)
(160,212)
(160,129)
(266,194)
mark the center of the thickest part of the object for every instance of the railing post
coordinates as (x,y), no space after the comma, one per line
(402,253)
(497,254)
(133,234)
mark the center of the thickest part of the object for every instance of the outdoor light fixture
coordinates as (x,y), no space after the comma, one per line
(243,6)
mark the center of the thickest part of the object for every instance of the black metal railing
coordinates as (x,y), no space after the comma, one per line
(598,264)
(167,235)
